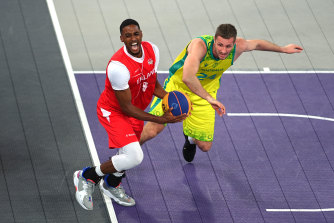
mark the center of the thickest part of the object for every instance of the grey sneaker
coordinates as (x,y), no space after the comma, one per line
(84,190)
(117,194)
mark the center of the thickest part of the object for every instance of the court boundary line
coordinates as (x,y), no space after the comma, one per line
(78,101)
(282,115)
(293,116)
(300,210)
(267,71)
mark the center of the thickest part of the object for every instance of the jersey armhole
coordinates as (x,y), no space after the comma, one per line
(235,46)
(206,45)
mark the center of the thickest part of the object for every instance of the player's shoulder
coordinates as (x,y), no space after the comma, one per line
(197,44)
(155,47)
(149,43)
(240,41)
(241,44)
(117,66)
(198,41)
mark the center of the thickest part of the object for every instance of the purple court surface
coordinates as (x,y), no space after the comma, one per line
(272,159)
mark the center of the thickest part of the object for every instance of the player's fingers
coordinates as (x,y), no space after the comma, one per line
(220,112)
(179,118)
(170,110)
(223,110)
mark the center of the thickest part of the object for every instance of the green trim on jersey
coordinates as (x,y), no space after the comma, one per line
(210,69)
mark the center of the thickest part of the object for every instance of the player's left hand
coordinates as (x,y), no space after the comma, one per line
(292,48)
(169,118)
(218,106)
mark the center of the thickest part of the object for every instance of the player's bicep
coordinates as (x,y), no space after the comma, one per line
(123,98)
(196,51)
(246,45)
(243,45)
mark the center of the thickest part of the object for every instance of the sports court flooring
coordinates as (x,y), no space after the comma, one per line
(273,153)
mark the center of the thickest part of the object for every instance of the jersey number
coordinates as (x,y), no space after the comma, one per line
(203,76)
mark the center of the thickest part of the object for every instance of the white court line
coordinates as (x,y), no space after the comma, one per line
(300,210)
(77,98)
(281,115)
(296,116)
(267,71)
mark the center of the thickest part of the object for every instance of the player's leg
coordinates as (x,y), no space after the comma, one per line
(198,128)
(112,172)
(150,131)
(189,147)
(85,180)
(205,146)
(128,157)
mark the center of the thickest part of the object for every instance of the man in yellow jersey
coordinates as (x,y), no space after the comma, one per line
(197,71)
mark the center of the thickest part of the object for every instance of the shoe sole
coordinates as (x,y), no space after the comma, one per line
(76,182)
(107,193)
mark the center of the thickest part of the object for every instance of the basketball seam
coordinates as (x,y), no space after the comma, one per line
(178,102)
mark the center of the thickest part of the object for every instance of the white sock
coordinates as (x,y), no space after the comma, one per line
(98,171)
(191,140)
(118,174)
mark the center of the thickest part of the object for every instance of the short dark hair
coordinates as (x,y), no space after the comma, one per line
(226,31)
(128,22)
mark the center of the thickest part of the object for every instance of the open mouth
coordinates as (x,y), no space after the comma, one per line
(223,55)
(134,47)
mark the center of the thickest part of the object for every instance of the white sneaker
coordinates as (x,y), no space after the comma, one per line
(84,190)
(117,194)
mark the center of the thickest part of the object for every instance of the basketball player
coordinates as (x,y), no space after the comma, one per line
(130,84)
(197,71)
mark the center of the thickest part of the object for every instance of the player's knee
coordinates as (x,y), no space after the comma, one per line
(137,157)
(152,132)
(131,156)
(205,147)
(155,129)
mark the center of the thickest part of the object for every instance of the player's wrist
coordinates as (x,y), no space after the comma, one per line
(209,98)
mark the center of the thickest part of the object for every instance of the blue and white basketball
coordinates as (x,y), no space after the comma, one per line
(177,100)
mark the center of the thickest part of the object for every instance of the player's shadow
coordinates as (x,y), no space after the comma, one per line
(203,204)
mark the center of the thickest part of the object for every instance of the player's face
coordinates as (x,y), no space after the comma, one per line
(222,47)
(131,37)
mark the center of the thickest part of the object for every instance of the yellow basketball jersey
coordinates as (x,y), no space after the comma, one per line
(210,69)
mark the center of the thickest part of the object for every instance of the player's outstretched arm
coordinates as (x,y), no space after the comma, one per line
(292,48)
(244,45)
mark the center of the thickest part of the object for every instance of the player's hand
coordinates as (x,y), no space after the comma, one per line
(219,107)
(292,48)
(191,104)
(169,118)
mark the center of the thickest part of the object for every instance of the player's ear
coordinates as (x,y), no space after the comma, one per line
(121,38)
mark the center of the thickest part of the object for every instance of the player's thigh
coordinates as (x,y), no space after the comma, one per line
(119,129)
(200,124)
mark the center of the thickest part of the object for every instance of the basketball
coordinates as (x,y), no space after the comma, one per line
(177,100)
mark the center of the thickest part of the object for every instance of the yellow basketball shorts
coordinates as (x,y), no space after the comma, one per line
(200,124)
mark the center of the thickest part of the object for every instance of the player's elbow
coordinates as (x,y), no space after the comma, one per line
(185,79)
